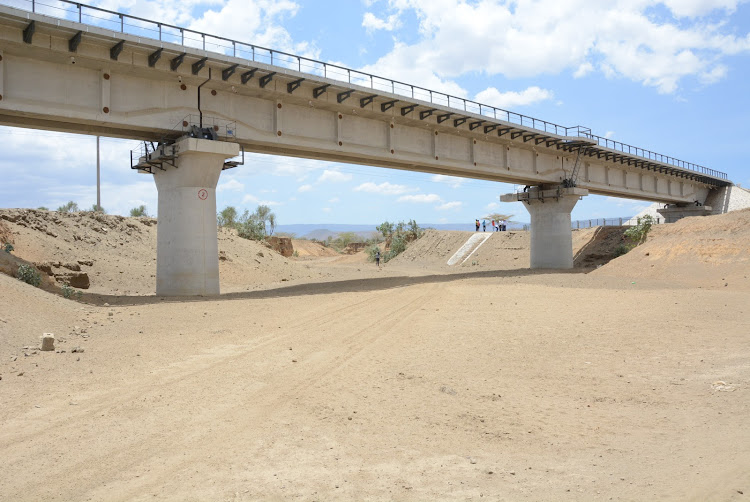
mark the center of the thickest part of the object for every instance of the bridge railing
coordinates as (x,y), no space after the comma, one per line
(137,26)
(627,221)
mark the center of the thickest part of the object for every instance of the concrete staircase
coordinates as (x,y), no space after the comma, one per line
(468,249)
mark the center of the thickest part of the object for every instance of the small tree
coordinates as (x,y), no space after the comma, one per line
(227,217)
(264,214)
(249,227)
(386,228)
(138,212)
(70,207)
(398,235)
(97,209)
(635,235)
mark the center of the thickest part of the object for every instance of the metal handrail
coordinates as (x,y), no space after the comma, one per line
(351,76)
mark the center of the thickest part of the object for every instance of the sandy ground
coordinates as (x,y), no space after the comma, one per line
(477,383)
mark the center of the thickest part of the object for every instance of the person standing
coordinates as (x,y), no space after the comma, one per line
(477,224)
(377,258)
(484,225)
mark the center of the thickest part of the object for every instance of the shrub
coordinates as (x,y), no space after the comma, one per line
(8,247)
(371,250)
(621,250)
(635,235)
(251,226)
(295,254)
(70,207)
(97,209)
(29,275)
(399,236)
(139,212)
(67,291)
(638,233)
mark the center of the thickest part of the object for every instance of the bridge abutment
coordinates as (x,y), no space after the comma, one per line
(187,256)
(674,212)
(551,233)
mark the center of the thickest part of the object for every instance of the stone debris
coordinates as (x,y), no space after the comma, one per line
(48,342)
(77,350)
(721,386)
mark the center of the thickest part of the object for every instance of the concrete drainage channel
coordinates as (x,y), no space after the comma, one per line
(468,249)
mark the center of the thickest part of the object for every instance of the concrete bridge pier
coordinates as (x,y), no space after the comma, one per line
(187,255)
(551,233)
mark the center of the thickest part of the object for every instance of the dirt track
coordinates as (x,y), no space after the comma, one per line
(497,385)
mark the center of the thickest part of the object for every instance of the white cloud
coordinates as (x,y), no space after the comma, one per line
(230,185)
(450,206)
(512,99)
(326,209)
(383,188)
(452,181)
(621,38)
(583,70)
(420,198)
(371,22)
(492,206)
(332,176)
(305,188)
(695,8)
(251,199)
(334,200)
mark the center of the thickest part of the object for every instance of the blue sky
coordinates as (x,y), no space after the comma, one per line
(670,76)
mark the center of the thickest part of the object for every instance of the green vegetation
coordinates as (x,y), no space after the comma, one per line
(97,209)
(344,239)
(635,235)
(70,207)
(227,217)
(43,208)
(29,275)
(8,247)
(69,292)
(254,226)
(139,212)
(397,236)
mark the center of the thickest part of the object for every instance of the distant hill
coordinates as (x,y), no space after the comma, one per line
(321,231)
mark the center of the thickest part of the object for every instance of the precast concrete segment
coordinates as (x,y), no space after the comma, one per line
(187,255)
(130,98)
(551,232)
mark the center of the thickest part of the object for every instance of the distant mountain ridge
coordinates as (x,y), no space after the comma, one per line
(321,231)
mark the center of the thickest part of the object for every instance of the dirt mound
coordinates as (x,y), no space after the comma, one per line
(507,250)
(118,254)
(707,251)
(593,247)
(306,248)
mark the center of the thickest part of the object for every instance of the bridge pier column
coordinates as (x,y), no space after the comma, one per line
(187,248)
(551,232)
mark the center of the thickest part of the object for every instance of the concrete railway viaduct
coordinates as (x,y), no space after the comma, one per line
(202,100)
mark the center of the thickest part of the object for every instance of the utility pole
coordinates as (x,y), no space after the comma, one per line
(98,177)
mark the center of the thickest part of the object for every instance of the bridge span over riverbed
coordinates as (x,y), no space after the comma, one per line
(203,99)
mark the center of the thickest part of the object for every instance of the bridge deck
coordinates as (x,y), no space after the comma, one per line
(180,44)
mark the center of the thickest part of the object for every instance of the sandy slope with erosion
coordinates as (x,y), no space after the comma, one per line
(412,383)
